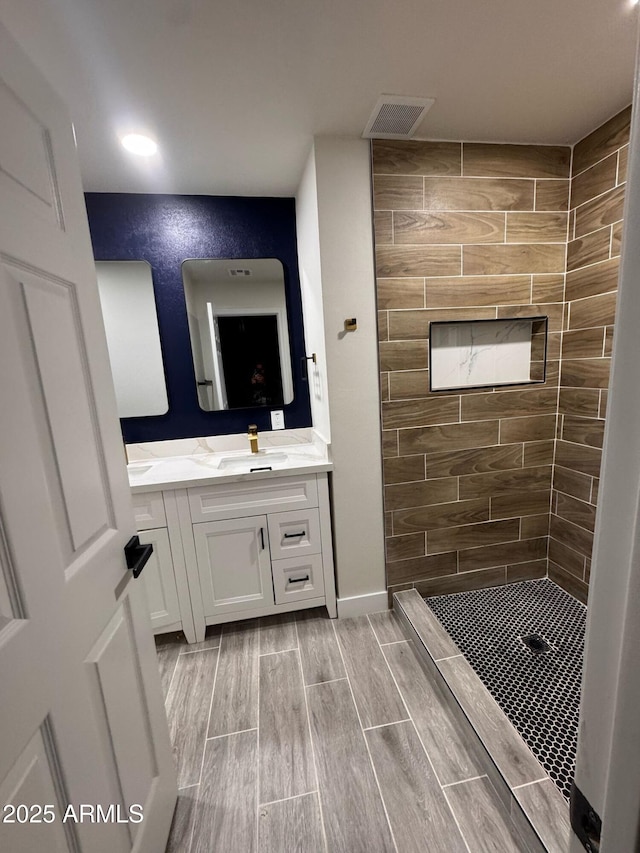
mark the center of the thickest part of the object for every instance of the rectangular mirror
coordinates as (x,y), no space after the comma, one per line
(131,323)
(238,325)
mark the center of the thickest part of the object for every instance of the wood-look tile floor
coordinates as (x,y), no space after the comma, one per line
(301,734)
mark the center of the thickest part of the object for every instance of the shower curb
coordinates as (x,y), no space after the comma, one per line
(536,806)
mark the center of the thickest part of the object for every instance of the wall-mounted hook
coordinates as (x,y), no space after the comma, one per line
(351,324)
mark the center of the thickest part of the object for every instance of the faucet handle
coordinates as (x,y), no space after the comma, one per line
(253,429)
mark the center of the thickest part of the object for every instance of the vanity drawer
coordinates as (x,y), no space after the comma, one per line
(148,509)
(297,578)
(243,499)
(292,534)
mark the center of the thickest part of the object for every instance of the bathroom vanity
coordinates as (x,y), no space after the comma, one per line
(235,535)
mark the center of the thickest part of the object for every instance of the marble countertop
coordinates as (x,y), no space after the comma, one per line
(179,472)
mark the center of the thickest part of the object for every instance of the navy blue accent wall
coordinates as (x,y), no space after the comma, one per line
(166,230)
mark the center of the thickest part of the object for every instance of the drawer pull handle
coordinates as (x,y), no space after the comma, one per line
(299,580)
(263,468)
(295,535)
(262,537)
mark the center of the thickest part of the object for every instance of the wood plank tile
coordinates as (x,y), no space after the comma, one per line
(400,293)
(513,259)
(278,633)
(409,384)
(403,355)
(548,288)
(548,812)
(183,820)
(226,817)
(354,817)
(400,414)
(235,699)
(404,495)
(414,324)
(508,553)
(452,463)
(608,341)
(462,582)
(285,754)
(513,758)
(623,161)
(375,694)
(449,437)
(516,161)
(565,557)
(584,402)
(484,821)
(616,239)
(527,429)
(188,706)
(594,280)
(441,515)
(415,802)
(383,326)
(552,310)
(395,261)
(599,212)
(538,453)
(520,504)
(604,396)
(593,181)
(552,195)
(167,660)
(211,641)
(445,741)
(571,535)
(488,533)
(501,483)
(586,373)
(294,826)
(571,482)
(506,404)
(485,291)
(534,526)
(479,194)
(589,249)
(583,430)
(386,627)
(527,571)
(319,652)
(410,157)
(579,457)
(383,227)
(384,386)
(578,512)
(604,140)
(403,469)
(447,227)
(405,547)
(397,193)
(537,227)
(389,443)
(431,633)
(583,343)
(420,568)
(568,582)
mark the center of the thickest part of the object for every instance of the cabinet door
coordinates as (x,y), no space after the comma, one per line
(234,564)
(160,583)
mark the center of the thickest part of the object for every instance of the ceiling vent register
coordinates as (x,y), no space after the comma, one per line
(396,117)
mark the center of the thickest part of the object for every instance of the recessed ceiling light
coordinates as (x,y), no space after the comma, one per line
(139,144)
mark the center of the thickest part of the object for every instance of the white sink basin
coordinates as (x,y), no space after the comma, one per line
(264,460)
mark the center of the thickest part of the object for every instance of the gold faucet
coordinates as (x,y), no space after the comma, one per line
(253,437)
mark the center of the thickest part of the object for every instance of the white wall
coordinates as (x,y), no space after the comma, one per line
(338,280)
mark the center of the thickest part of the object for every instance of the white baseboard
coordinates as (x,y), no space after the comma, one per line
(359,605)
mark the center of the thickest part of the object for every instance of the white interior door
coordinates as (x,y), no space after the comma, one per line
(82,722)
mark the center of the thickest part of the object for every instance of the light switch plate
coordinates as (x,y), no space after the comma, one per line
(277,419)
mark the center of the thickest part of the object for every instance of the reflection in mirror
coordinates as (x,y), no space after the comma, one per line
(131,323)
(237,315)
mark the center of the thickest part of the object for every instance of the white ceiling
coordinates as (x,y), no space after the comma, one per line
(234,90)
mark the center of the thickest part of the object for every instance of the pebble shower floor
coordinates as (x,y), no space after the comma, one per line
(540,693)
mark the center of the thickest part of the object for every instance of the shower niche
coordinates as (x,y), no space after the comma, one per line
(487,353)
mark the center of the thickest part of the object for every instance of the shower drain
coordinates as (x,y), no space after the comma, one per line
(536,644)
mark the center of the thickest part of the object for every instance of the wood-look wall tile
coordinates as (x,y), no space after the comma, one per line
(400,293)
(599,212)
(384,387)
(414,324)
(507,553)
(516,161)
(594,280)
(409,384)
(623,160)
(440,515)
(453,463)
(552,311)
(548,288)
(594,311)
(583,402)
(409,157)
(399,414)
(448,437)
(383,227)
(527,429)
(513,259)
(583,343)
(389,443)
(583,430)
(383,326)
(470,535)
(462,582)
(570,560)
(235,699)
(590,249)
(534,526)
(419,568)
(571,482)
(405,547)
(579,457)
(538,453)
(608,341)
(479,194)
(602,409)
(595,487)
(445,227)
(575,537)
(578,512)
(520,504)
(586,373)
(527,571)
(319,651)
(603,141)
(595,180)
(554,342)
(396,261)
(552,195)
(486,291)
(506,404)
(536,227)
(403,469)
(397,192)
(403,355)
(568,582)
(616,239)
(291,825)
(425,493)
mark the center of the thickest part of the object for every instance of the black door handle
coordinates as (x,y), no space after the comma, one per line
(137,555)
